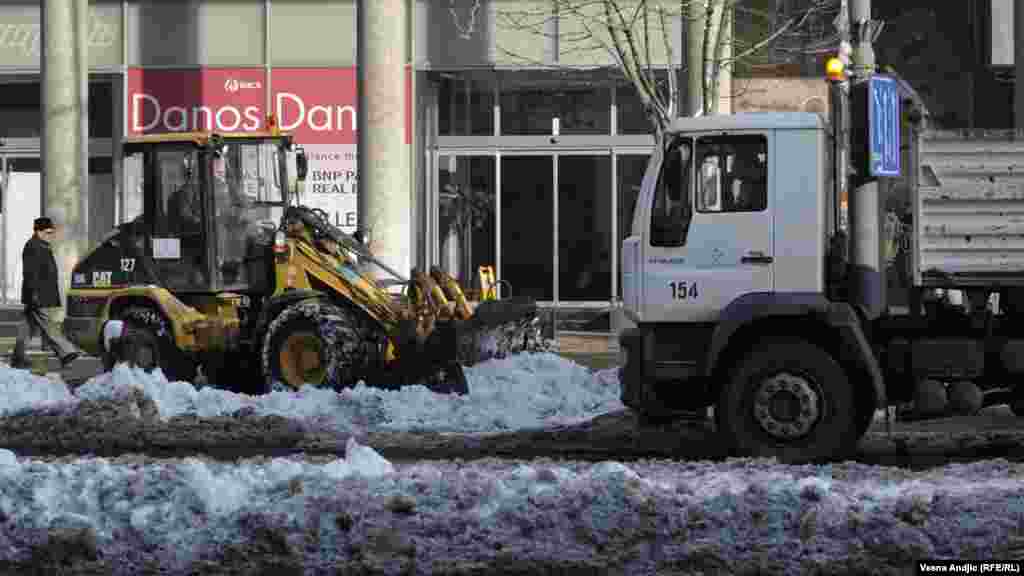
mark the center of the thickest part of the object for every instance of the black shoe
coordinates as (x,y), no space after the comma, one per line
(68,359)
(20,363)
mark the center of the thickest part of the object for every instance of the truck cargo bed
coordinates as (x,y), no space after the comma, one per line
(969,210)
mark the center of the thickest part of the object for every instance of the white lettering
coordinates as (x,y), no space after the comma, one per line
(220,119)
(182,123)
(181,119)
(351,111)
(24,38)
(253,120)
(291,112)
(208,119)
(324,126)
(281,96)
(138,115)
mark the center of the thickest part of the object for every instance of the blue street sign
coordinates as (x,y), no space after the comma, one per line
(884,126)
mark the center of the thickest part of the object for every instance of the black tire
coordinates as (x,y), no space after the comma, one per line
(1017,401)
(148,325)
(865,418)
(341,354)
(801,365)
(449,379)
(237,371)
(136,348)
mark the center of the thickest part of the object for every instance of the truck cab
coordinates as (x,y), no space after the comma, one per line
(731,205)
(724,274)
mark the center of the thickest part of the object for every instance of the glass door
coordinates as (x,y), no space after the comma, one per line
(526,221)
(464,219)
(22,201)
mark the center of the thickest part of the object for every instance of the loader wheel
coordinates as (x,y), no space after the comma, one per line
(788,399)
(313,343)
(151,326)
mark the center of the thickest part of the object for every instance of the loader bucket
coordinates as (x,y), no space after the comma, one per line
(500,328)
(492,313)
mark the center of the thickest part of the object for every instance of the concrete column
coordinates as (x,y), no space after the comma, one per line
(82,71)
(385,188)
(1018,63)
(695,56)
(62,173)
(866,208)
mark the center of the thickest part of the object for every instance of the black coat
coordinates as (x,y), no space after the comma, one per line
(39,280)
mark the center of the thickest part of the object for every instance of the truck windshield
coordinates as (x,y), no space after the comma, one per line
(247,192)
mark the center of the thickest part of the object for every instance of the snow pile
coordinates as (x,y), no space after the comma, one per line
(524,391)
(742,516)
(22,390)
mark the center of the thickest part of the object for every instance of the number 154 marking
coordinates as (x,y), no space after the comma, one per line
(683,290)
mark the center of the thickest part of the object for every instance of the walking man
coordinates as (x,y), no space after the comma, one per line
(40,294)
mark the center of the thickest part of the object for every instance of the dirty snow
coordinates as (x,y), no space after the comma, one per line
(635,519)
(524,391)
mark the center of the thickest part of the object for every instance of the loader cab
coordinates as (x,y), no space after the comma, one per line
(730,205)
(210,206)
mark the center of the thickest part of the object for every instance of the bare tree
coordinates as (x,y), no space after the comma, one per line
(637,37)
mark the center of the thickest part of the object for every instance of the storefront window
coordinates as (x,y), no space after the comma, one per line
(465,105)
(527,226)
(584,228)
(632,118)
(531,100)
(209,33)
(313,33)
(466,216)
(631,168)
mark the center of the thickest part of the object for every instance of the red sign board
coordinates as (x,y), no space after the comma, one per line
(316,105)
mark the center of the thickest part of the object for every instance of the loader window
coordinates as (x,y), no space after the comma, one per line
(178,249)
(670,218)
(733,173)
(247,191)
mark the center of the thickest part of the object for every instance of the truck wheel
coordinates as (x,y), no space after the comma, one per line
(146,326)
(788,399)
(1017,401)
(238,371)
(313,343)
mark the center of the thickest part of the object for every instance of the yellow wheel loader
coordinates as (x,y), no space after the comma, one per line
(222,271)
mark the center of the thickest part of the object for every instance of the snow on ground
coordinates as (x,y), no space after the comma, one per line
(635,519)
(524,391)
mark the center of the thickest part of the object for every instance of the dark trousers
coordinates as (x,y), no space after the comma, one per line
(40,322)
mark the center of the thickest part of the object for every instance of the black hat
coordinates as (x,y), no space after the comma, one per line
(43,223)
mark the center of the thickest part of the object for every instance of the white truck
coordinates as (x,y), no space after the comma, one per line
(736,277)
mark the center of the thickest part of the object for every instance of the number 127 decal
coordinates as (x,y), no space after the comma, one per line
(683,290)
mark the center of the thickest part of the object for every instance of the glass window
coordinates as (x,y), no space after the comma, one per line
(584,228)
(313,33)
(188,33)
(179,257)
(527,226)
(631,169)
(465,105)
(631,116)
(530,100)
(466,221)
(733,174)
(245,179)
(670,218)
(234,32)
